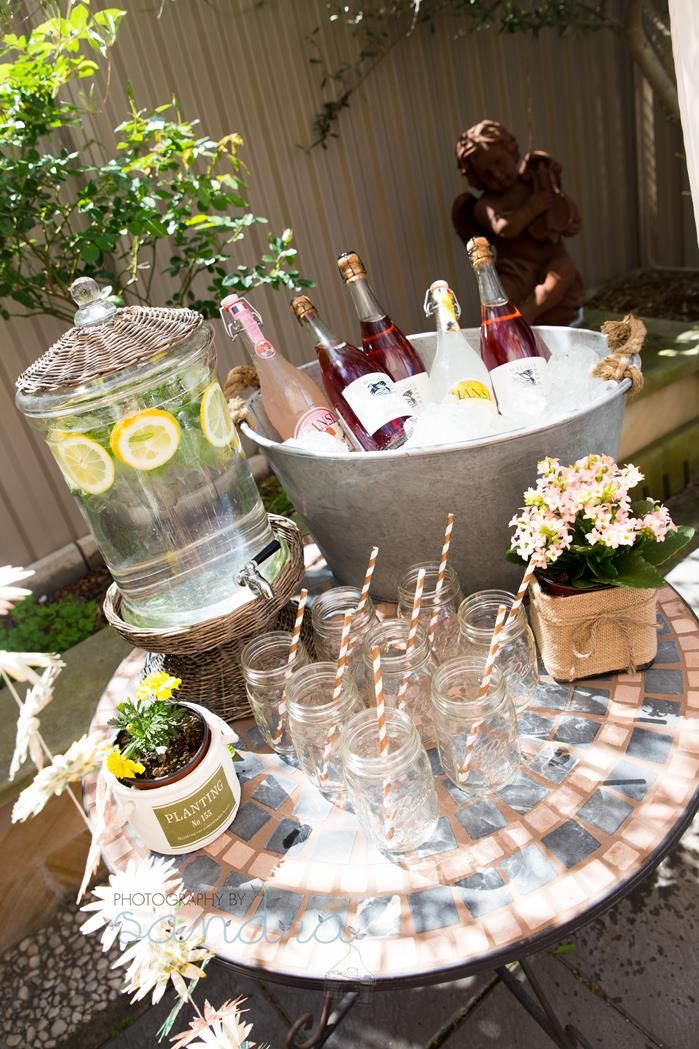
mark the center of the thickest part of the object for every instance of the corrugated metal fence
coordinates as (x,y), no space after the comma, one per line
(385,187)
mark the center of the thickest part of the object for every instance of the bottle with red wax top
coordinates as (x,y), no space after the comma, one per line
(382,341)
(360,390)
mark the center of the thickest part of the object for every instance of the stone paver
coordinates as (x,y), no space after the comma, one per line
(391,1019)
(645,952)
(499,1022)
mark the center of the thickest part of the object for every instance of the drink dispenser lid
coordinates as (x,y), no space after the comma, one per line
(105,340)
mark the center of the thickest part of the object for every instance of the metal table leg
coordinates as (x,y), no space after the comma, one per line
(336,1005)
(542,1011)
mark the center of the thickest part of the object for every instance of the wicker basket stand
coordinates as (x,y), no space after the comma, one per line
(206,656)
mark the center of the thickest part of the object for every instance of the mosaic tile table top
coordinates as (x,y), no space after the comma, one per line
(609,777)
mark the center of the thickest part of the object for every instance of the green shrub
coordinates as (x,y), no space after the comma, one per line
(50,627)
(274,497)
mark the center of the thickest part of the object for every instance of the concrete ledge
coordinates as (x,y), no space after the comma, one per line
(89,666)
(63,566)
(670,463)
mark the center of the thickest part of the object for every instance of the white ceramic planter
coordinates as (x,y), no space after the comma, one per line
(193,811)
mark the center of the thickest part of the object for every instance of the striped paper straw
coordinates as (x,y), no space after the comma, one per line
(383,740)
(493,650)
(367,578)
(519,596)
(440,575)
(412,631)
(470,743)
(340,673)
(293,649)
(489,664)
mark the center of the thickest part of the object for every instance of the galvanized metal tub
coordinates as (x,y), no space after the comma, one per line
(399,500)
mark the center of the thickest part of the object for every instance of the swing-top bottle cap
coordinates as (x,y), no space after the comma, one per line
(300,305)
(351,267)
(440,294)
(479,251)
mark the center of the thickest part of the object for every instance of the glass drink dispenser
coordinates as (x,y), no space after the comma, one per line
(130,406)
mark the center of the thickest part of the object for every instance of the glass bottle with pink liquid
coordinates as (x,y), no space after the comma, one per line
(512,352)
(382,341)
(294,403)
(360,390)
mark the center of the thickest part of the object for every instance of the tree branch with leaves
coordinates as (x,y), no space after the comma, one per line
(170,200)
(378,26)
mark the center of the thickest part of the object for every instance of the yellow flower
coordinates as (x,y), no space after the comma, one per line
(121,767)
(158,684)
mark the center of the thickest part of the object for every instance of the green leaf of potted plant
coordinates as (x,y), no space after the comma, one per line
(171,764)
(596,554)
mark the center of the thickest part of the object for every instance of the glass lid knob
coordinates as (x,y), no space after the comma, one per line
(93,302)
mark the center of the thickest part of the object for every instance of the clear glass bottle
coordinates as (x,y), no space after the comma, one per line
(327,616)
(457,370)
(415,669)
(393,794)
(361,390)
(512,352)
(443,606)
(293,402)
(264,662)
(382,341)
(477,738)
(316,721)
(517,656)
(144,441)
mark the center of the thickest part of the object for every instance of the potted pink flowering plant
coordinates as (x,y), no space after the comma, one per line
(596,552)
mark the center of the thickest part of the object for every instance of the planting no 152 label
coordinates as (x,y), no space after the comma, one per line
(198,815)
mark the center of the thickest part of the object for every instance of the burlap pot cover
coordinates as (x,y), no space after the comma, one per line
(594,632)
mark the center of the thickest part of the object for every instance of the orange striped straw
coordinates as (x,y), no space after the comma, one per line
(412,631)
(519,596)
(440,575)
(470,743)
(493,650)
(367,578)
(293,649)
(340,673)
(489,664)
(383,739)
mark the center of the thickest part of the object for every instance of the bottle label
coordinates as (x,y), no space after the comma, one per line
(321,420)
(415,391)
(265,349)
(468,388)
(511,379)
(373,399)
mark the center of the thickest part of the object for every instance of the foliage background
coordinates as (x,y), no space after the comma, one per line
(385,187)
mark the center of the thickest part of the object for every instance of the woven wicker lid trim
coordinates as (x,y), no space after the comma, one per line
(134,334)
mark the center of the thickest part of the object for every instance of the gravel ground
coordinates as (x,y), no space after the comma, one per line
(58,982)
(670,294)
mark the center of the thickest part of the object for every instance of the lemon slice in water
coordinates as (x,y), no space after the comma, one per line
(84,462)
(216,422)
(147,439)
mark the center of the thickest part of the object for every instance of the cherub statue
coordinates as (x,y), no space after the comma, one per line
(524,212)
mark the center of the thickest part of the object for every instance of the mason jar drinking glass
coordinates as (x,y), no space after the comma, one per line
(393,794)
(316,720)
(476,737)
(327,616)
(517,655)
(442,606)
(406,677)
(264,662)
